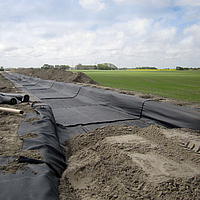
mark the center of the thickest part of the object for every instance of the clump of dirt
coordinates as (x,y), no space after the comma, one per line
(57,75)
(124,162)
(29,135)
(146,96)
(12,166)
(6,86)
(33,154)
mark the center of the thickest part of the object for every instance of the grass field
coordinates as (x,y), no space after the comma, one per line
(181,85)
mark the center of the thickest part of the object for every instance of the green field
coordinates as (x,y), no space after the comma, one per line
(181,85)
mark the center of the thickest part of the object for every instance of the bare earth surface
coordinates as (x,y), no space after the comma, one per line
(117,162)
(121,162)
(10,142)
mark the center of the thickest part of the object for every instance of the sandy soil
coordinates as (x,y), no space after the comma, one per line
(57,75)
(117,162)
(10,142)
(121,162)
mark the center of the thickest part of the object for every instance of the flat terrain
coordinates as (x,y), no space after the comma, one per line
(180,85)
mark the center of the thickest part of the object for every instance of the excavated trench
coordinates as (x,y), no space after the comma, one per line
(133,133)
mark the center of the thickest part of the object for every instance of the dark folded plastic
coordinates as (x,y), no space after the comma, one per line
(8,100)
(12,98)
(41,179)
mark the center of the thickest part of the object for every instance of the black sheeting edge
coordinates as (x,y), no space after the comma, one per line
(8,100)
(41,179)
(47,142)
(20,97)
(172,116)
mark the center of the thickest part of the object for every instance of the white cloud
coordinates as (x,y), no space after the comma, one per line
(192,38)
(194,29)
(159,3)
(187,2)
(93,5)
(156,3)
(138,33)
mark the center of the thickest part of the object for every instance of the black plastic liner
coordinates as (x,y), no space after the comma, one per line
(38,182)
(171,115)
(13,98)
(8,100)
(41,179)
(20,97)
(47,142)
(78,105)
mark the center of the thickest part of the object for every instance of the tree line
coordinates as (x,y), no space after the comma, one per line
(47,66)
(104,66)
(187,68)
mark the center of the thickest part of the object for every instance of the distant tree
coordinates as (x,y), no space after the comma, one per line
(62,67)
(47,66)
(79,66)
(123,68)
(179,68)
(146,67)
(106,66)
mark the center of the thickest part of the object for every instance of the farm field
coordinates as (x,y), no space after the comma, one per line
(180,85)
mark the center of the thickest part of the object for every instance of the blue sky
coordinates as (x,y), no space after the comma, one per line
(127,33)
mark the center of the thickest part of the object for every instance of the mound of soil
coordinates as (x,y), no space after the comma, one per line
(57,75)
(123,162)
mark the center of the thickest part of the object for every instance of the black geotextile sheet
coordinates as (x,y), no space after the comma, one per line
(41,178)
(78,105)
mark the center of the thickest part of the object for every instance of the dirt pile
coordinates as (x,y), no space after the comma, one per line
(57,75)
(122,162)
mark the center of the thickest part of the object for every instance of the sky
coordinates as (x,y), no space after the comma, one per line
(127,33)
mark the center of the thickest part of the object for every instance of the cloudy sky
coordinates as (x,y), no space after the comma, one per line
(127,33)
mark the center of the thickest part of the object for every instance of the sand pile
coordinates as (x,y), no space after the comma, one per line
(123,162)
(57,75)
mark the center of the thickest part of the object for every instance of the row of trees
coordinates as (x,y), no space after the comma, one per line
(187,68)
(146,67)
(47,66)
(104,66)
